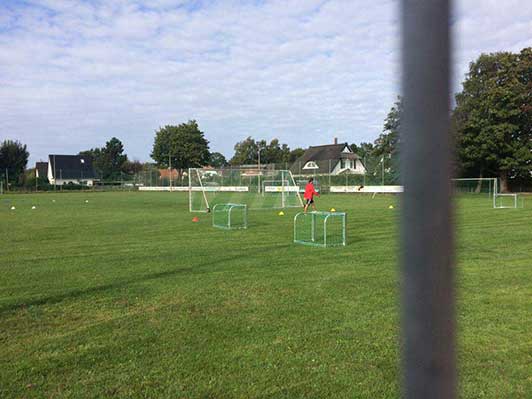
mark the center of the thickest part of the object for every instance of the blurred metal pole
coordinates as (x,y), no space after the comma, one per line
(427,220)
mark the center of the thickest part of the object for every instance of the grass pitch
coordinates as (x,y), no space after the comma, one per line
(123,296)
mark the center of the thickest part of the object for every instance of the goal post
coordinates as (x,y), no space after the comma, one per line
(507,201)
(230,216)
(320,229)
(197,195)
(476,185)
(264,189)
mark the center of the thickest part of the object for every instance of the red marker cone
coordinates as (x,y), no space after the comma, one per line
(195,219)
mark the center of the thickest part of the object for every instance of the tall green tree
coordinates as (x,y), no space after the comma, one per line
(108,161)
(274,152)
(13,160)
(132,167)
(183,146)
(387,144)
(363,149)
(493,114)
(217,160)
(246,152)
(295,154)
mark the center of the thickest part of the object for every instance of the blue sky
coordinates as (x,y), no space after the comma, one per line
(75,73)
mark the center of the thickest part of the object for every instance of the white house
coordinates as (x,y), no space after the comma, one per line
(334,159)
(75,169)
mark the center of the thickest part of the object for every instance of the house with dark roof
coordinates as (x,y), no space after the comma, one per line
(333,159)
(41,170)
(75,169)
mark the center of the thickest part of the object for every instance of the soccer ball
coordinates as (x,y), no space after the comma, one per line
(13,208)
(33,207)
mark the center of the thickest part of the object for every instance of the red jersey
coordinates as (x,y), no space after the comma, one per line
(309,191)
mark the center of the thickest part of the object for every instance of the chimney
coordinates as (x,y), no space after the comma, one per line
(336,140)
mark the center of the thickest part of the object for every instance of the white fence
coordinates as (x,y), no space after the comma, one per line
(366,189)
(232,189)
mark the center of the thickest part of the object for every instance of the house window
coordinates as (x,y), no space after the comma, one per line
(342,164)
(311,165)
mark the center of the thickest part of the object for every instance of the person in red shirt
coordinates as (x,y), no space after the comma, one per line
(310,192)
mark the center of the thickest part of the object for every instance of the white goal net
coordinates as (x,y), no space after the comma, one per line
(258,189)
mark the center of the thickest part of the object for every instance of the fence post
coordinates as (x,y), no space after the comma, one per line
(426,219)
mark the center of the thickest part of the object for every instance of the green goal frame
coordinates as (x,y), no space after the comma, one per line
(320,229)
(230,216)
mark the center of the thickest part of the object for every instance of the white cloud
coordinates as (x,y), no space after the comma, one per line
(74,73)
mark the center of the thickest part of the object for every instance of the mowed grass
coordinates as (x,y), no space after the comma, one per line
(123,296)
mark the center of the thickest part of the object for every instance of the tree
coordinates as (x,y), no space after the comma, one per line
(273,152)
(180,147)
(386,145)
(492,118)
(295,154)
(108,161)
(13,160)
(132,167)
(246,152)
(217,160)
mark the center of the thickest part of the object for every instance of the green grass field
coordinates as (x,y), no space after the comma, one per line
(124,296)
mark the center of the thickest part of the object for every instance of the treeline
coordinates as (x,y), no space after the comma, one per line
(491,124)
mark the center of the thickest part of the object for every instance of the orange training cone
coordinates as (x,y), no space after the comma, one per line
(195,219)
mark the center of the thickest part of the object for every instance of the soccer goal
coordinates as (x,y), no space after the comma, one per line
(230,216)
(476,186)
(507,201)
(320,229)
(258,189)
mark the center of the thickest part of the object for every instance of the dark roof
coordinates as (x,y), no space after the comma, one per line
(72,167)
(42,169)
(321,155)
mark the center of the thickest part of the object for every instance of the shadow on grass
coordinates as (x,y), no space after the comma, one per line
(198,269)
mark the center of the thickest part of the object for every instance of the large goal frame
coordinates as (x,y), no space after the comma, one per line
(203,192)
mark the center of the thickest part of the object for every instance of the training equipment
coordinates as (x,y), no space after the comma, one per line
(390,207)
(507,201)
(13,208)
(333,210)
(281,213)
(195,219)
(482,186)
(321,229)
(86,201)
(258,189)
(33,207)
(230,216)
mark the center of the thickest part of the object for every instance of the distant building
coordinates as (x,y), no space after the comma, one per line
(333,159)
(166,174)
(41,170)
(75,169)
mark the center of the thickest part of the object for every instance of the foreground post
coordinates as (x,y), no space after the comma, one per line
(427,232)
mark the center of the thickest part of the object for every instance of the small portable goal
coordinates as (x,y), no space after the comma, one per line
(507,201)
(230,216)
(320,229)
